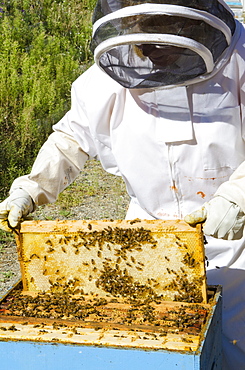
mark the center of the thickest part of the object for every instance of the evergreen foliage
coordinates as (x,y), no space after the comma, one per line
(44,48)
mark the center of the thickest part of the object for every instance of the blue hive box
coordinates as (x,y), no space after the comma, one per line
(38,344)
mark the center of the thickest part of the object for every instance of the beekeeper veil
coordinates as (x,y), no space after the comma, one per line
(144,44)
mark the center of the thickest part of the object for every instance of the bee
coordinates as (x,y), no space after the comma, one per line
(178,243)
(77,251)
(99,254)
(138,249)
(166,258)
(34,255)
(43,331)
(134,221)
(90,278)
(89,226)
(63,249)
(187,340)
(45,272)
(93,261)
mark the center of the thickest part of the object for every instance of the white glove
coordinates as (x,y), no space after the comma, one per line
(222,219)
(18,205)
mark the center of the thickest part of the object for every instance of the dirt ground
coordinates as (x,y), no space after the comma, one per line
(108,200)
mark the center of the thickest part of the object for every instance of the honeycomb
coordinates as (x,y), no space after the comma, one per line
(135,259)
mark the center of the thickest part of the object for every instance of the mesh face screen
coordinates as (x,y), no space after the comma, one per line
(213,7)
(206,23)
(125,66)
(197,30)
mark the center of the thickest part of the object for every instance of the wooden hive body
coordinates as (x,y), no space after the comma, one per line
(123,294)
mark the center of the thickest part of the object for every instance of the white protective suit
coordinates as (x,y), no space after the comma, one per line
(175,149)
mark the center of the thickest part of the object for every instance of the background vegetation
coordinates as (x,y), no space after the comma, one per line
(44,47)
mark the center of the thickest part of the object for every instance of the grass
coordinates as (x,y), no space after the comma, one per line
(95,194)
(5,239)
(6,276)
(93,182)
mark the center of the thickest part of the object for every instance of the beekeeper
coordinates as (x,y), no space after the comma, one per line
(163,107)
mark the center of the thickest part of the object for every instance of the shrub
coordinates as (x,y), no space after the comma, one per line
(44,47)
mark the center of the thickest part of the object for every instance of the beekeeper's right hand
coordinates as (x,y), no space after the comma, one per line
(17,206)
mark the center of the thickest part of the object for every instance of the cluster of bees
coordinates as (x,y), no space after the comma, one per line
(50,305)
(189,260)
(118,282)
(129,238)
(64,306)
(187,291)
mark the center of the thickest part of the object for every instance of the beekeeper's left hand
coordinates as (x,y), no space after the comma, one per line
(221,219)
